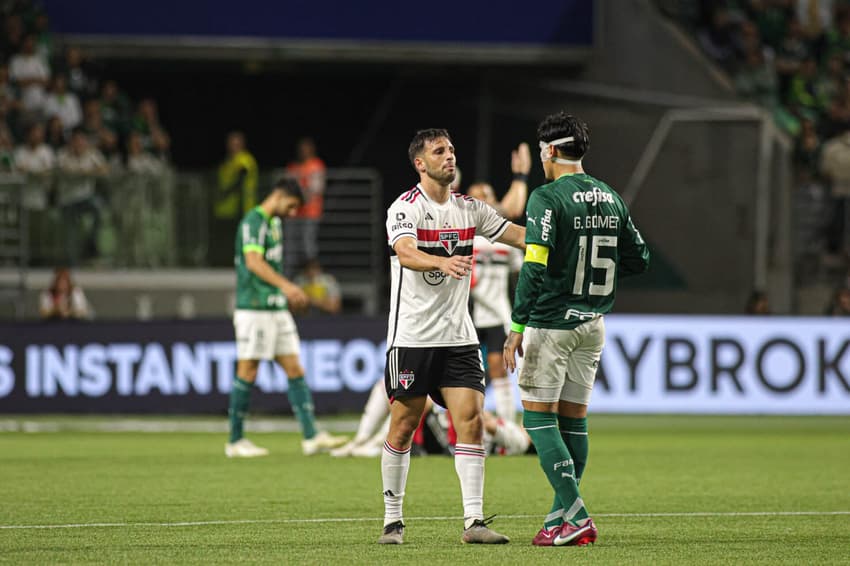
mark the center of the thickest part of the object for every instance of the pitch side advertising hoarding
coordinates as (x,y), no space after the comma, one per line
(651,364)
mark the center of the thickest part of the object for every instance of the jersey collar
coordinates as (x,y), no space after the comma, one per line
(262,211)
(570,174)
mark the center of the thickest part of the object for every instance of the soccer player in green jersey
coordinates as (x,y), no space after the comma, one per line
(264,327)
(580,239)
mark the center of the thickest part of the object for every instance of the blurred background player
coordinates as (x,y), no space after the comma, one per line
(580,239)
(263,324)
(236,194)
(373,426)
(302,232)
(322,288)
(493,263)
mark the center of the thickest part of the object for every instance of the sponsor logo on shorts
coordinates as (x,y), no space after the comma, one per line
(406,378)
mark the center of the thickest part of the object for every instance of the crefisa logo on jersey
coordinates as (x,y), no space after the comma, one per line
(593,197)
(449,240)
(406,378)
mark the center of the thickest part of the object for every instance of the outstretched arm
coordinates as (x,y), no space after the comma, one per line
(514,235)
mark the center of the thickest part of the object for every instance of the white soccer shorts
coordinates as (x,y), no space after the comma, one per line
(561,364)
(263,335)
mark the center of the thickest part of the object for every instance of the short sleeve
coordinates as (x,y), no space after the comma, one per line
(402,218)
(540,221)
(332,287)
(490,223)
(253,234)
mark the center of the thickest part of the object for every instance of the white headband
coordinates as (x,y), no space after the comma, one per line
(558,141)
(544,153)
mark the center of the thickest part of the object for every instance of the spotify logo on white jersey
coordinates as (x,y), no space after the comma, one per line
(433,278)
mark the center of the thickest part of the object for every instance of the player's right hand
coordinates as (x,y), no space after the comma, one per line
(513,346)
(296,298)
(521,159)
(457,266)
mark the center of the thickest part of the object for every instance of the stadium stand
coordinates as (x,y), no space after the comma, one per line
(793,58)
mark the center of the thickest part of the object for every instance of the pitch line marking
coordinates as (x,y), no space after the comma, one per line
(445,518)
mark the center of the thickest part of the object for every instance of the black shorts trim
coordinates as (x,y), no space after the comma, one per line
(416,372)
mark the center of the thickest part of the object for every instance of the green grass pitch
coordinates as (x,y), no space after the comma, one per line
(663,490)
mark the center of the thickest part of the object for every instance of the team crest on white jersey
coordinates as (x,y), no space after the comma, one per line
(449,240)
(406,378)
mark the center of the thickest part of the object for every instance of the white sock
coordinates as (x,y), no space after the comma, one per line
(469,465)
(376,410)
(511,437)
(394,466)
(504,393)
(377,439)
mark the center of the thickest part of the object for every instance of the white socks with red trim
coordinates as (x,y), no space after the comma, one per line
(469,465)
(394,466)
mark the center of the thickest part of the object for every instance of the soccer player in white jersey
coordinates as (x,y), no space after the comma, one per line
(432,349)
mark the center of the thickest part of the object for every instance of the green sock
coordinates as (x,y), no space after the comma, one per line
(574,433)
(240,398)
(557,464)
(302,405)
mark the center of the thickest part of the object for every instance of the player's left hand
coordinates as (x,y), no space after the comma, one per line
(513,346)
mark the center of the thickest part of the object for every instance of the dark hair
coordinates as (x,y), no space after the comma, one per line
(60,273)
(290,187)
(563,125)
(421,137)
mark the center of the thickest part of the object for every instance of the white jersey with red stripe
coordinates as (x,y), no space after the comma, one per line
(430,308)
(494,262)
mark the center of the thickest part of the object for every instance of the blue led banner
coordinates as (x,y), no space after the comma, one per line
(651,364)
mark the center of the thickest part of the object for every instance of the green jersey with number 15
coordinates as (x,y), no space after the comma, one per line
(591,242)
(261,233)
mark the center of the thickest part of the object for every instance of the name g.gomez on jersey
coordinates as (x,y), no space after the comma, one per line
(430,308)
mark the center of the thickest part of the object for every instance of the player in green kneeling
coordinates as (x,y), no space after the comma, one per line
(264,326)
(579,239)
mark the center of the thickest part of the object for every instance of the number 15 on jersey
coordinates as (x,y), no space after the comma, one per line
(604,263)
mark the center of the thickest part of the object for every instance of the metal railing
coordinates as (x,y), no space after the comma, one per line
(14,241)
(150,224)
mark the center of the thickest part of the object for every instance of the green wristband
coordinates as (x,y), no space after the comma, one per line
(517,327)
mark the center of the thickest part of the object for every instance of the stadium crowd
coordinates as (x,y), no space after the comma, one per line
(793,58)
(76,135)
